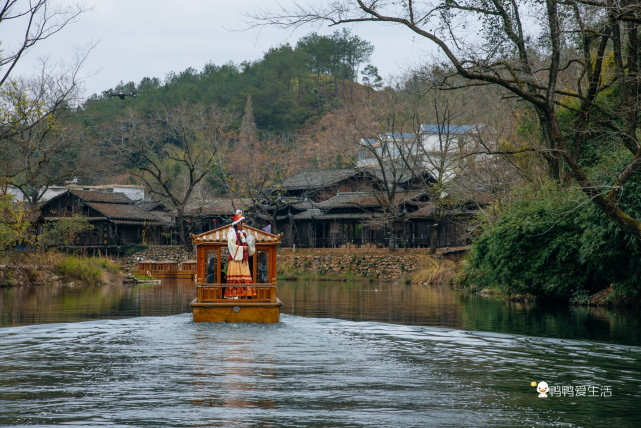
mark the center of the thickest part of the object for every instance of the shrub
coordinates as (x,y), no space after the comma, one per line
(434,271)
(554,244)
(87,270)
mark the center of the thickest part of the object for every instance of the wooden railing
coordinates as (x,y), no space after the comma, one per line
(214,294)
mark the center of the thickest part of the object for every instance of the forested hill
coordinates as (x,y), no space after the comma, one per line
(288,86)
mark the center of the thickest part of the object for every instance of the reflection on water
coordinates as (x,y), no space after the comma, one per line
(385,302)
(376,354)
(168,371)
(436,306)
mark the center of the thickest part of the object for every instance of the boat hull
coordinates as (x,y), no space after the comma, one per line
(236,311)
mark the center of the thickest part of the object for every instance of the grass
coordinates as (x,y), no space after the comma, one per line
(88,270)
(435,271)
(52,267)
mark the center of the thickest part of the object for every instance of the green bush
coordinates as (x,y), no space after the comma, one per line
(87,270)
(556,244)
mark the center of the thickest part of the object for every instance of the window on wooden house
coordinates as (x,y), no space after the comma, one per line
(263,267)
(212,268)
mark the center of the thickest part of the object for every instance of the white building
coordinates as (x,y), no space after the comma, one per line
(431,149)
(132,191)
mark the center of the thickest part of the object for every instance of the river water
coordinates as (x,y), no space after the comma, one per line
(375,354)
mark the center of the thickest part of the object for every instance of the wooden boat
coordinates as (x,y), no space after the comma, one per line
(210,304)
(166,269)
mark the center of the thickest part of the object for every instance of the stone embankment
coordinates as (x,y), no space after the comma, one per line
(160,253)
(372,264)
(339,263)
(28,275)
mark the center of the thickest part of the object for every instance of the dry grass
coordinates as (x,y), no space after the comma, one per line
(435,271)
(43,268)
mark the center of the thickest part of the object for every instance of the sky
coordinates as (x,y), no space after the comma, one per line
(150,38)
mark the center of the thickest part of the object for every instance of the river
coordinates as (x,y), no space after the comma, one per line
(344,354)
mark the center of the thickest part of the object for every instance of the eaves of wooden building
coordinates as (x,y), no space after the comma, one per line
(115,219)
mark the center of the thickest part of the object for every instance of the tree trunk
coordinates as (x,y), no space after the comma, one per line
(181,228)
(551,134)
(436,230)
(392,236)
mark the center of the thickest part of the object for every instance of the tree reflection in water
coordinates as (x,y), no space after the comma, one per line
(410,304)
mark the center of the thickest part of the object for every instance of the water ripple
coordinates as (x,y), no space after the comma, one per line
(303,372)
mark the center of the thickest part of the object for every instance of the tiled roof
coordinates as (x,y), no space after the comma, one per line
(425,211)
(116,211)
(151,205)
(447,129)
(216,206)
(318,179)
(352,199)
(309,214)
(111,198)
(362,199)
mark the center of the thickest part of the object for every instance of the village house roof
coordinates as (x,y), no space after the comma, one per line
(320,215)
(113,206)
(91,196)
(318,179)
(447,129)
(124,212)
(349,199)
(151,206)
(425,210)
(364,199)
(159,209)
(216,207)
(310,214)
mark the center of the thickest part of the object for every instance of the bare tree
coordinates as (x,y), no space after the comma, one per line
(255,170)
(32,21)
(388,145)
(39,142)
(550,54)
(176,150)
(35,138)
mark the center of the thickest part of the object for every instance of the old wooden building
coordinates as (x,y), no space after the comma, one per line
(320,185)
(115,219)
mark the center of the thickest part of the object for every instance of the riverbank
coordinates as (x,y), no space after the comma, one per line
(57,269)
(407,265)
(336,264)
(403,265)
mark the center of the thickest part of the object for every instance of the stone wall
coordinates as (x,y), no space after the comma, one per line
(374,265)
(159,253)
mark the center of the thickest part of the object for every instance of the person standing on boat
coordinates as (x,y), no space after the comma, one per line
(240,249)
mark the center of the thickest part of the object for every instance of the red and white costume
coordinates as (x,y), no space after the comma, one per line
(239,252)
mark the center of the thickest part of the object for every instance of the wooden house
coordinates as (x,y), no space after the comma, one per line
(321,185)
(350,218)
(114,217)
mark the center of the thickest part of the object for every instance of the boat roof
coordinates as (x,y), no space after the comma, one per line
(219,236)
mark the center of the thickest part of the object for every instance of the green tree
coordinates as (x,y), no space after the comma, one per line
(64,232)
(553,243)
(14,222)
(371,78)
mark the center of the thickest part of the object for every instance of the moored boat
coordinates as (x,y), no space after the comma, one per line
(216,299)
(166,269)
